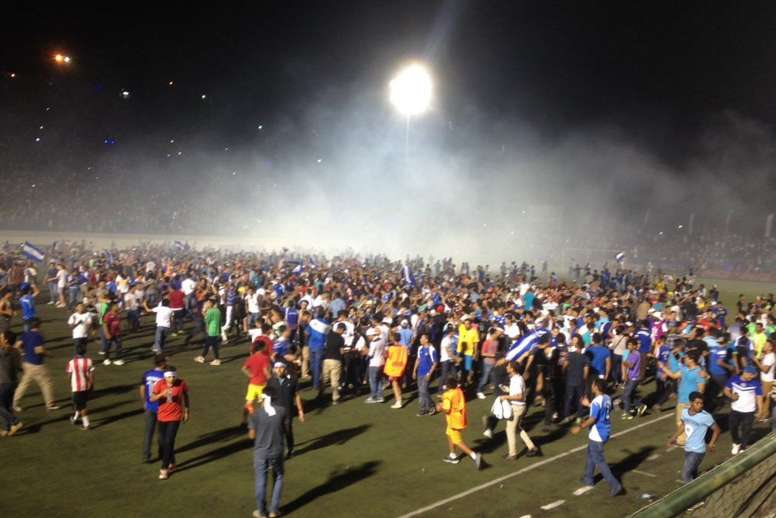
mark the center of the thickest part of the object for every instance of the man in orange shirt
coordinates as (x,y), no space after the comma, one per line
(453,405)
(395,365)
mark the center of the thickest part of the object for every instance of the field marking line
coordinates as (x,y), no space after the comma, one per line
(654,457)
(643,473)
(553,505)
(671,448)
(526,469)
(582,490)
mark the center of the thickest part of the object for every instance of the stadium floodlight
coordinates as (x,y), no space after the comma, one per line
(411,90)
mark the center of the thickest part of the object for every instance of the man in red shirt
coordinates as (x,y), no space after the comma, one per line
(257,368)
(111,326)
(177,305)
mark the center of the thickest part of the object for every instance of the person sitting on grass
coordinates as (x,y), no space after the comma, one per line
(453,405)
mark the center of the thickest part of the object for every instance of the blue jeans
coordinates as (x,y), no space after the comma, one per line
(53,292)
(316,359)
(692,462)
(261,468)
(629,397)
(73,293)
(426,405)
(486,368)
(161,338)
(595,459)
(375,382)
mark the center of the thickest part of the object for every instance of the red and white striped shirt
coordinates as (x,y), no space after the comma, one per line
(80,370)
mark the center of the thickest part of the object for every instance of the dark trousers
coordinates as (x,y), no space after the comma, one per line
(167,432)
(211,342)
(664,388)
(617,367)
(6,406)
(133,317)
(289,431)
(573,394)
(741,427)
(148,437)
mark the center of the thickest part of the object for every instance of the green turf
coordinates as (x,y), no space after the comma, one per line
(354,459)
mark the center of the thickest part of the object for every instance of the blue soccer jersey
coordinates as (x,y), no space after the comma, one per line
(600,410)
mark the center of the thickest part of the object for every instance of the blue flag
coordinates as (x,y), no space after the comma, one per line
(31,252)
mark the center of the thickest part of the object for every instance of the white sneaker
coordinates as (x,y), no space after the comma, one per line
(480,395)
(224,338)
(736,449)
(118,362)
(106,362)
(396,405)
(488,433)
(215,363)
(199,359)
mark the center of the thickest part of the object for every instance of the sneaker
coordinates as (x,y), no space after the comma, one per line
(106,362)
(224,338)
(101,353)
(478,461)
(215,363)
(628,417)
(73,420)
(3,433)
(118,362)
(171,469)
(396,405)
(257,514)
(536,452)
(480,395)
(53,407)
(432,412)
(736,449)
(50,303)
(421,414)
(85,428)
(15,428)
(370,399)
(449,460)
(642,410)
(199,359)
(379,400)
(17,409)
(488,433)
(163,475)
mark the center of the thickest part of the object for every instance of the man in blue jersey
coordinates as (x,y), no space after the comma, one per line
(600,424)
(718,365)
(316,332)
(745,392)
(27,302)
(694,425)
(150,378)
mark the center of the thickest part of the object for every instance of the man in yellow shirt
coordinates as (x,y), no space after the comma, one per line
(758,340)
(453,405)
(468,342)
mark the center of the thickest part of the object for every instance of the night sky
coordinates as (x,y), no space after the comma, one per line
(658,72)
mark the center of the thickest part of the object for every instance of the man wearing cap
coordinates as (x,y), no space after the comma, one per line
(745,392)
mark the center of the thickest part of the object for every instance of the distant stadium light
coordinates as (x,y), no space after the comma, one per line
(411,90)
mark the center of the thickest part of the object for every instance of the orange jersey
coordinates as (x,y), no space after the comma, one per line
(454,406)
(396,361)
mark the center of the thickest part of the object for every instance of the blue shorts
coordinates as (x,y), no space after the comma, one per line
(467,363)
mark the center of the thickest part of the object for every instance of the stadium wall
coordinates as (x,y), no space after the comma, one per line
(742,487)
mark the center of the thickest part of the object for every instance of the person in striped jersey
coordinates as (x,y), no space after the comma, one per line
(80,370)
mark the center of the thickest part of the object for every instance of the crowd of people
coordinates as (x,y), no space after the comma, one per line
(372,328)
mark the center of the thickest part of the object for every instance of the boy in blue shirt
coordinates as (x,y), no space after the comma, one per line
(150,378)
(600,424)
(27,302)
(694,425)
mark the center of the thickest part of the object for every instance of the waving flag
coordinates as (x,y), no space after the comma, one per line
(526,344)
(30,252)
(408,277)
(620,257)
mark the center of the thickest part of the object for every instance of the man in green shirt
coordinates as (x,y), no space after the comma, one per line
(213,327)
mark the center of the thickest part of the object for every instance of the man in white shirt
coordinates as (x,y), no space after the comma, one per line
(376,361)
(516,398)
(80,322)
(164,316)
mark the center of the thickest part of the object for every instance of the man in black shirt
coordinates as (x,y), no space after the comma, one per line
(289,398)
(332,361)
(576,370)
(266,429)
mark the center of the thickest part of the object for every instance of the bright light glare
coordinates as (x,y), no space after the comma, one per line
(410,90)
